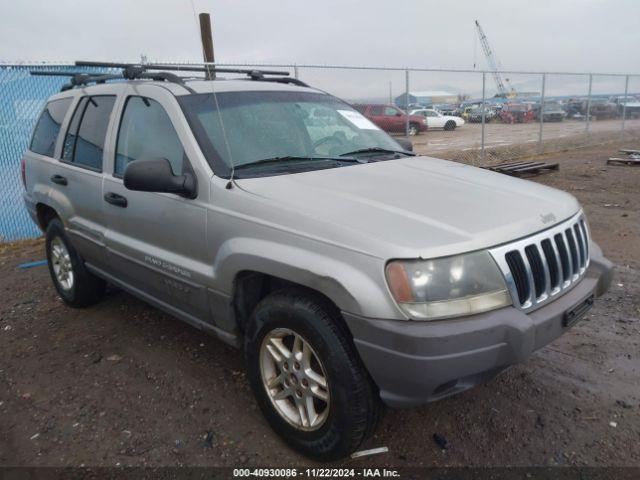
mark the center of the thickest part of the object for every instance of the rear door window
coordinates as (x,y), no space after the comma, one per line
(146,131)
(47,129)
(84,142)
(70,139)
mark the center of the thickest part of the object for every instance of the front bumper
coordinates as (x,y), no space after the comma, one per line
(414,362)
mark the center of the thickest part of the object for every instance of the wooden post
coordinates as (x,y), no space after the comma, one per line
(207,42)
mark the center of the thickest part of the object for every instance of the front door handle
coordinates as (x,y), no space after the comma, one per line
(115,199)
(59,179)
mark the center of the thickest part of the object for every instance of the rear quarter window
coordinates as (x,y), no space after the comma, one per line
(47,129)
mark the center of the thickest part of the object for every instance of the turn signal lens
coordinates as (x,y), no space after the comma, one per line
(399,283)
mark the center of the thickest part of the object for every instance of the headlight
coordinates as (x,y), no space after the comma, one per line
(447,287)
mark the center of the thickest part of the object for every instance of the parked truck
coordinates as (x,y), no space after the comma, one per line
(391,119)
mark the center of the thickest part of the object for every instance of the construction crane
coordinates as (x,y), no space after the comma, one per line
(493,64)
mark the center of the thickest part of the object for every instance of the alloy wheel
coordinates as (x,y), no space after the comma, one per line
(294,379)
(61,263)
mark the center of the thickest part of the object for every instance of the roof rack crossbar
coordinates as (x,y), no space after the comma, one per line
(78,78)
(185,68)
(133,71)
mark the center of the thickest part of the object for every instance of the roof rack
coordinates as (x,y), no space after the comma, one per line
(77,78)
(133,71)
(253,74)
(204,68)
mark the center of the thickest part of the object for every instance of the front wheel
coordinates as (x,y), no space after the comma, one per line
(307,376)
(414,129)
(450,125)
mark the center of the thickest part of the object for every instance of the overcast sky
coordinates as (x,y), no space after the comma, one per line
(567,35)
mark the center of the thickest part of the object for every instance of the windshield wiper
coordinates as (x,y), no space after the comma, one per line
(377,150)
(287,158)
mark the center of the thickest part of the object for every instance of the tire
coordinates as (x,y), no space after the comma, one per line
(414,129)
(353,407)
(450,125)
(79,288)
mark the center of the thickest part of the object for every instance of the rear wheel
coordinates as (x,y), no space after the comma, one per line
(75,284)
(307,376)
(450,125)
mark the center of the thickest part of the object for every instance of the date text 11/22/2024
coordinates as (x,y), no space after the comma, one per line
(316,473)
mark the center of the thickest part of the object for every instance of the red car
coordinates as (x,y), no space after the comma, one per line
(391,119)
(517,113)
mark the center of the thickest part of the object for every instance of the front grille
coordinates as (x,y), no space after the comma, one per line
(545,265)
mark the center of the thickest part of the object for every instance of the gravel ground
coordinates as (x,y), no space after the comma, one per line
(123,384)
(507,142)
(500,134)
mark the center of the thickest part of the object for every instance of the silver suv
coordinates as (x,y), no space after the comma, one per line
(273,215)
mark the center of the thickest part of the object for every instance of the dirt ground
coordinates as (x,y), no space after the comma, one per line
(501,135)
(123,384)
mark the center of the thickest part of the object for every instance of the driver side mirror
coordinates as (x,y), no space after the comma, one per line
(405,143)
(155,175)
(398,114)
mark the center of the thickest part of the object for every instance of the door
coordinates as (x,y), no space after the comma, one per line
(376,115)
(156,242)
(394,118)
(77,179)
(434,119)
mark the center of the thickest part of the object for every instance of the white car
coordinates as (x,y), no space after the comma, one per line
(436,120)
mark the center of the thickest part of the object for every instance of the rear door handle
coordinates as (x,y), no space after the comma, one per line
(115,199)
(59,179)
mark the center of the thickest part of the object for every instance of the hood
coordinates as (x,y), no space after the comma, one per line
(409,208)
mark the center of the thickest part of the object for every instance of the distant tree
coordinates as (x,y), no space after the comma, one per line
(463,96)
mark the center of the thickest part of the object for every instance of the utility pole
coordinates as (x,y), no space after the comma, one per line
(207,43)
(390,94)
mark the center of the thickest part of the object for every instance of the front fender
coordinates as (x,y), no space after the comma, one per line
(356,286)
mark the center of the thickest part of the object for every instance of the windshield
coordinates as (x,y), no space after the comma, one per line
(261,125)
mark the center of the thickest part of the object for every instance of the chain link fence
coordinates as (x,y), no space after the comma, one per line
(22,98)
(542,112)
(591,109)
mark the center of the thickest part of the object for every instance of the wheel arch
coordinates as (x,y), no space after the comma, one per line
(45,213)
(251,286)
(251,268)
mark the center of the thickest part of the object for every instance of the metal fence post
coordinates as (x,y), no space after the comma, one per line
(295,71)
(544,81)
(624,106)
(484,83)
(406,102)
(588,120)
